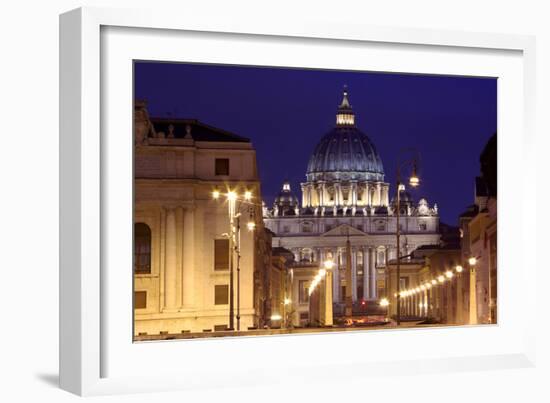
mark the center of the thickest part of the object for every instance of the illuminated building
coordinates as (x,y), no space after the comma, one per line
(345,194)
(181,247)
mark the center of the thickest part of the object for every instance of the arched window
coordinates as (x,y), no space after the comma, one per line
(142,248)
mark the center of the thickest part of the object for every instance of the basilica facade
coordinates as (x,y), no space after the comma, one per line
(345,196)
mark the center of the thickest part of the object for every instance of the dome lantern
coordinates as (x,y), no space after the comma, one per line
(344,115)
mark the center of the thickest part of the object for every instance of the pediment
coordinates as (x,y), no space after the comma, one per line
(344,230)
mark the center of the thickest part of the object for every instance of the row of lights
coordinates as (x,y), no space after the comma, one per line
(447,276)
(232,196)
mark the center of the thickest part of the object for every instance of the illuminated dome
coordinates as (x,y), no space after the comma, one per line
(286,202)
(345,152)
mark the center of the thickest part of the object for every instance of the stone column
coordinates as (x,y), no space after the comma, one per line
(179,255)
(450,316)
(473,301)
(459,300)
(366,273)
(354,274)
(373,274)
(429,293)
(336,277)
(170,285)
(188,257)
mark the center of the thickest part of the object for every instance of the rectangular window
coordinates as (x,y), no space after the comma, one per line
(221,294)
(286,229)
(221,254)
(422,226)
(403,283)
(304,315)
(222,166)
(303,287)
(140,299)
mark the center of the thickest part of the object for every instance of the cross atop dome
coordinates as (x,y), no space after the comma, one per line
(345,115)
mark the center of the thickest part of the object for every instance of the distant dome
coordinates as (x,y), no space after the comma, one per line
(404,197)
(345,152)
(286,200)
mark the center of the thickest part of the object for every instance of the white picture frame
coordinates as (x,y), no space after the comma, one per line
(96,357)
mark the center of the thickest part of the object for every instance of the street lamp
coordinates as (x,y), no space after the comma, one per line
(414,181)
(329,264)
(234,204)
(472,261)
(385,303)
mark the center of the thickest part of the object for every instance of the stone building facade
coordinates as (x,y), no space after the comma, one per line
(181,259)
(479,229)
(345,196)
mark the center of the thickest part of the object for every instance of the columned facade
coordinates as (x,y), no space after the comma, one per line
(345,196)
(181,256)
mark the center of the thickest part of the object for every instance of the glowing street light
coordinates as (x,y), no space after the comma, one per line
(441,278)
(472,261)
(459,269)
(449,274)
(234,236)
(231,196)
(384,302)
(329,264)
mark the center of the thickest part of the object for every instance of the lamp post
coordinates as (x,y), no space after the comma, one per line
(473,292)
(234,204)
(414,181)
(329,265)
(459,295)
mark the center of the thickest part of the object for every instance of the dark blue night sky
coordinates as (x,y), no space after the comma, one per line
(285,112)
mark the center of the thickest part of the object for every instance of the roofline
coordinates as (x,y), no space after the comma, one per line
(199,123)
